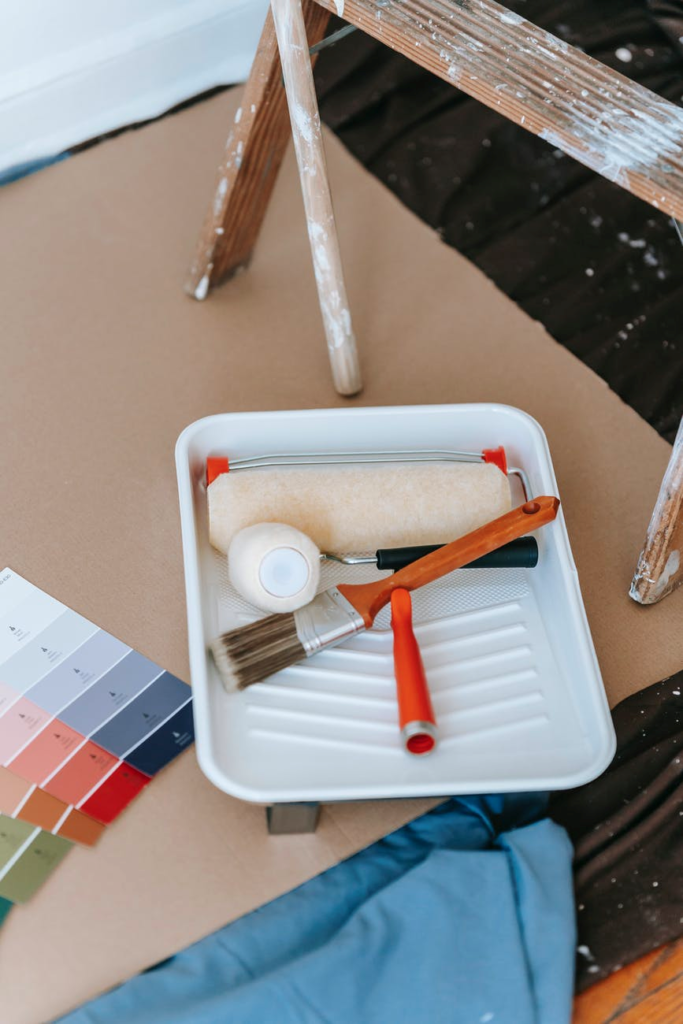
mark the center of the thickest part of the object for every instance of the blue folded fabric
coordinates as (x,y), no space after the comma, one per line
(466,915)
(17,171)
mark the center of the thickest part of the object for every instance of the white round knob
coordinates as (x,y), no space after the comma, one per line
(284,572)
(274,566)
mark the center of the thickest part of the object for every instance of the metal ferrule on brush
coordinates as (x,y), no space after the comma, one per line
(327,620)
(255,652)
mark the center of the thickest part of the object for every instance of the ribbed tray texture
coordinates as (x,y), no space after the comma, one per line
(474,632)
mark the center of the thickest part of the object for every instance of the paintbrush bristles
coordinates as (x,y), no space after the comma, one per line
(252,653)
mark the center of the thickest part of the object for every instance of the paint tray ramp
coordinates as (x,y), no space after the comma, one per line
(508,654)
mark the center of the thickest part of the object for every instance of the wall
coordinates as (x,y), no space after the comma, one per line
(73,69)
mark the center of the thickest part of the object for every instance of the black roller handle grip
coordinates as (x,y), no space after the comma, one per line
(518,554)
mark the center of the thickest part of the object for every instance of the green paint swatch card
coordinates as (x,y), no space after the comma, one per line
(13,835)
(28,872)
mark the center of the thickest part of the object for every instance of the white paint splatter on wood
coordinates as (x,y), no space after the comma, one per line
(511,18)
(623,141)
(220,196)
(303,122)
(202,289)
(673,564)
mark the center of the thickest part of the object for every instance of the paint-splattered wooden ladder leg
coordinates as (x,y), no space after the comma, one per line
(251,160)
(607,122)
(322,232)
(660,568)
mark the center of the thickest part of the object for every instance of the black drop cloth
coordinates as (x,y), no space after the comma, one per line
(627,830)
(602,270)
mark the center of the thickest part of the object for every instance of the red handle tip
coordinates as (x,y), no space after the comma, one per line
(415,714)
(421,743)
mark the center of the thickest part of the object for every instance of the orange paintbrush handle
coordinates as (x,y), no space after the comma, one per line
(415,714)
(369,598)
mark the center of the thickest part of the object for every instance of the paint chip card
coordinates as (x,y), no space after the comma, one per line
(85,723)
(25,875)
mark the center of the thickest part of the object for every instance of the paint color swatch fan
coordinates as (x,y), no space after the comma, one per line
(85,724)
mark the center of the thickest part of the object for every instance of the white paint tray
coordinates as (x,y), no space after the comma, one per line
(509,657)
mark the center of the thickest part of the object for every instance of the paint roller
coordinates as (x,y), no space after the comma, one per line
(352,502)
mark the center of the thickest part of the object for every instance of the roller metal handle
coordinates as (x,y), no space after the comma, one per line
(368,599)
(518,554)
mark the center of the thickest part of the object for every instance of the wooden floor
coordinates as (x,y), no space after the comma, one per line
(649,991)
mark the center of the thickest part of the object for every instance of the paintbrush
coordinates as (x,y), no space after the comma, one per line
(252,653)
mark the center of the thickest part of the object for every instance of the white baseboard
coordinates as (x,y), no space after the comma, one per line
(136,72)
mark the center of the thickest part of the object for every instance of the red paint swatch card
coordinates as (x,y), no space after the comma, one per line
(81,773)
(46,753)
(115,793)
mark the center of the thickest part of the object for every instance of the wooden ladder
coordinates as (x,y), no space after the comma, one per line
(607,122)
